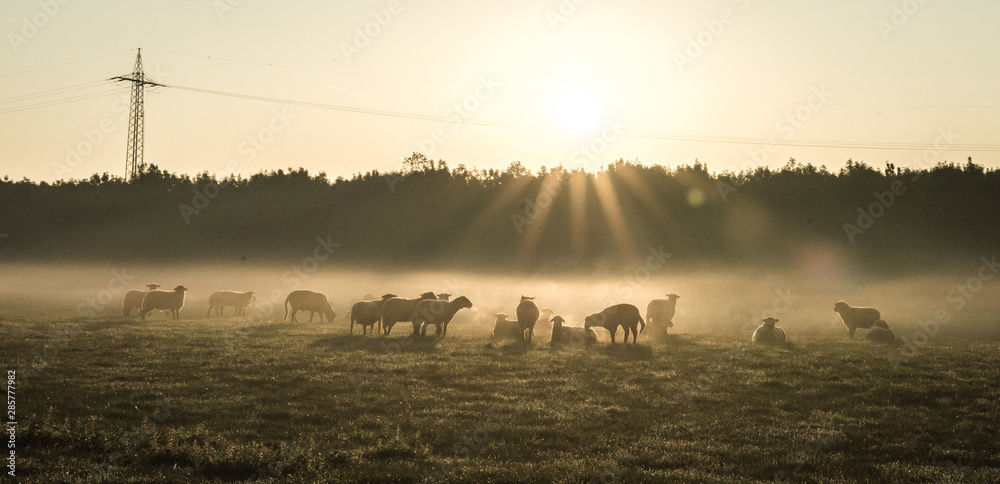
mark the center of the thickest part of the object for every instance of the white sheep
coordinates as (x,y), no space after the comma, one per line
(398,309)
(220,300)
(855,318)
(880,333)
(527,315)
(768,333)
(171,301)
(574,336)
(303,300)
(368,313)
(504,328)
(439,313)
(133,299)
(660,314)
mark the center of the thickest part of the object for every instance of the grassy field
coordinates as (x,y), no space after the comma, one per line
(120,400)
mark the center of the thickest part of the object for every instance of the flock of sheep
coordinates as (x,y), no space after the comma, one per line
(438,310)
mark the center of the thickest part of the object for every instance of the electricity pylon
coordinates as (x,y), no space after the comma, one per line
(133,151)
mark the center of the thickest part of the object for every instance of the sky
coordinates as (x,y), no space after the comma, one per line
(348,87)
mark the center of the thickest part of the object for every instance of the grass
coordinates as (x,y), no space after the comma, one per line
(121,400)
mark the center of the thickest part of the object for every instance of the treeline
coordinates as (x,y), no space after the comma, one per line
(427,215)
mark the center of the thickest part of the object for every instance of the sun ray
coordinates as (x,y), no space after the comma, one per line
(578,214)
(538,213)
(613,214)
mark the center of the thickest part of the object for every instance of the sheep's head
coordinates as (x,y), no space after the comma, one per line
(881,324)
(501,317)
(673,297)
(527,298)
(462,302)
(180,289)
(557,321)
(769,322)
(152,286)
(386,297)
(840,307)
(428,295)
(444,296)
(590,321)
(253,299)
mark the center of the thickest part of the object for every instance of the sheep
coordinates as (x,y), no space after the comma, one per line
(504,328)
(303,300)
(444,296)
(219,300)
(855,318)
(368,313)
(172,301)
(133,299)
(527,316)
(439,313)
(767,333)
(624,315)
(660,313)
(880,333)
(397,310)
(570,335)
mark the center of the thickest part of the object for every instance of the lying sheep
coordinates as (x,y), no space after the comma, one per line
(303,300)
(133,299)
(368,313)
(767,333)
(880,333)
(504,328)
(220,300)
(660,314)
(439,313)
(624,315)
(527,315)
(171,301)
(397,310)
(574,336)
(855,318)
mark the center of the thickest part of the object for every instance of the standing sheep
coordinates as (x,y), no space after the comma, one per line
(880,333)
(527,316)
(303,300)
(133,299)
(504,328)
(439,313)
(220,300)
(767,333)
(397,310)
(660,314)
(172,301)
(624,315)
(368,313)
(855,318)
(570,335)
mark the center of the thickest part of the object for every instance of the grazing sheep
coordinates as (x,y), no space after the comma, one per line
(133,299)
(504,328)
(624,315)
(172,301)
(880,333)
(397,310)
(220,300)
(570,335)
(303,300)
(767,333)
(855,318)
(439,313)
(527,315)
(368,313)
(660,313)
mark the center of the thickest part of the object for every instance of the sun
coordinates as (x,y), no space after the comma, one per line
(578,110)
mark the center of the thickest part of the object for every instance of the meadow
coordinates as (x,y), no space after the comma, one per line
(104,398)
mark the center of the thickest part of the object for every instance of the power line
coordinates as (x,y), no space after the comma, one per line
(65,63)
(57,102)
(655,136)
(25,97)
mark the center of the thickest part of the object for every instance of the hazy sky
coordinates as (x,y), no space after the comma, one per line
(537,79)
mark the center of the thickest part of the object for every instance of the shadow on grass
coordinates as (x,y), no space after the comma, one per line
(377,344)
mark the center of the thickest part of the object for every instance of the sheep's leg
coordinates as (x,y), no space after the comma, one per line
(852,332)
(613,332)
(311,314)
(445,331)
(293,316)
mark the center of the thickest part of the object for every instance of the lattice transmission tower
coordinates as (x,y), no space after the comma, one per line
(133,150)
